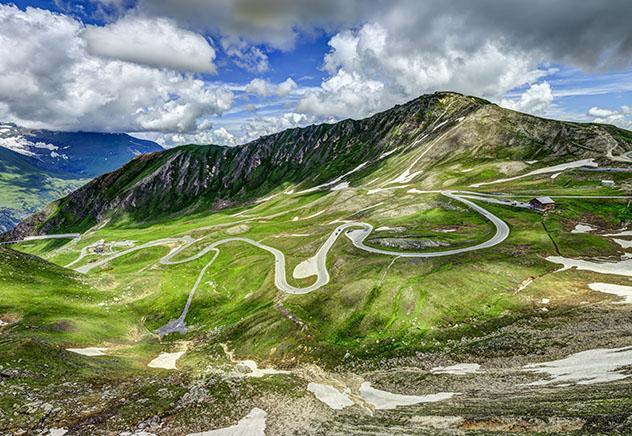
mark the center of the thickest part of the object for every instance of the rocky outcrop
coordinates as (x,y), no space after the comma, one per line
(407,243)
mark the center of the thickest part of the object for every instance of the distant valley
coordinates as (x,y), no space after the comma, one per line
(39,166)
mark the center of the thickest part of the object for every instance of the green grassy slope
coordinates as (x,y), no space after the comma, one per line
(411,304)
(377,313)
(370,298)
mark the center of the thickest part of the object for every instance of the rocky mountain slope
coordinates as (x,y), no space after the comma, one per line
(203,178)
(39,166)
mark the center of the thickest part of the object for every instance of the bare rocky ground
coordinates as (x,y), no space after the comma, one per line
(497,400)
(494,400)
(408,244)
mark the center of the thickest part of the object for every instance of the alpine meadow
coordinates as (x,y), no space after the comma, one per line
(315,218)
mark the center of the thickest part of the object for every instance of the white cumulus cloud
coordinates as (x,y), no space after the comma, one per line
(587,34)
(263,88)
(245,55)
(219,136)
(375,67)
(157,42)
(621,117)
(537,99)
(138,73)
(267,125)
(277,23)
(49,79)
(597,112)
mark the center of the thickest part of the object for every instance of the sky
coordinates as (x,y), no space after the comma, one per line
(229,71)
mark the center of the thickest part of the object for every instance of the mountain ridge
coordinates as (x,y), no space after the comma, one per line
(400,252)
(195,178)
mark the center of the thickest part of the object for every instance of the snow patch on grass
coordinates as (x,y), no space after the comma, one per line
(553,169)
(587,367)
(622,267)
(377,190)
(623,243)
(417,191)
(257,372)
(620,290)
(582,228)
(458,369)
(387,400)
(250,365)
(166,360)
(334,181)
(621,233)
(314,215)
(89,351)
(253,424)
(524,284)
(340,186)
(388,153)
(330,396)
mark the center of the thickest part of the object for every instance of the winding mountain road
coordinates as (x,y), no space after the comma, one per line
(357,232)
(357,237)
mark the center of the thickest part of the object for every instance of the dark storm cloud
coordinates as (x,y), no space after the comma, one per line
(587,33)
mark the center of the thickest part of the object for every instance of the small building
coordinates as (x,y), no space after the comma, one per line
(542,203)
(608,183)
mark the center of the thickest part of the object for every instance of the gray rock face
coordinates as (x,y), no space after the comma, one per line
(8,219)
(408,244)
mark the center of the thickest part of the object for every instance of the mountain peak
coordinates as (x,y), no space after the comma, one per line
(447,125)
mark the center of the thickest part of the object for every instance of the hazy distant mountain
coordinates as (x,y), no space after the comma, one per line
(39,166)
(85,154)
